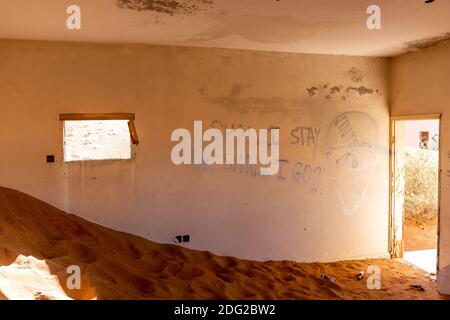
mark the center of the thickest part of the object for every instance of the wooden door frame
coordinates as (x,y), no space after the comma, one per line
(393,251)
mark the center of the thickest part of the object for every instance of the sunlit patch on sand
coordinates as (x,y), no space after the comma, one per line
(30,279)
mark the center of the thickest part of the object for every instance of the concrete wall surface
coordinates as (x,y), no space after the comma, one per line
(329,200)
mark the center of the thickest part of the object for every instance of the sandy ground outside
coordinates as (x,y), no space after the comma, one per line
(420,236)
(421,244)
(38,242)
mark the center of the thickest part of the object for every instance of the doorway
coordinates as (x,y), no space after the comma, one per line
(414,216)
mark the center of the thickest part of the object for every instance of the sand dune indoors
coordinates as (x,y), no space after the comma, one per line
(38,242)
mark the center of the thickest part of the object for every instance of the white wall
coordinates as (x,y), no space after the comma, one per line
(229,212)
(414,127)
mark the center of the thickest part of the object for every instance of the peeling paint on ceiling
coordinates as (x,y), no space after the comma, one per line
(165,6)
(319,26)
(426,43)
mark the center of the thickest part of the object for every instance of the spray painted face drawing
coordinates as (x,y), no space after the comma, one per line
(352,158)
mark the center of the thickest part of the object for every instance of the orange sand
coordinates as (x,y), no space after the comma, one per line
(38,242)
(420,236)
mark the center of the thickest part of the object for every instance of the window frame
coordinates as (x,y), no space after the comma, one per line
(130,117)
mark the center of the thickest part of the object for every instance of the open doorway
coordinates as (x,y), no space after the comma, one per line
(415,190)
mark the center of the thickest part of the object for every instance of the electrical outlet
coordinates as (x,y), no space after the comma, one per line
(50,158)
(182,239)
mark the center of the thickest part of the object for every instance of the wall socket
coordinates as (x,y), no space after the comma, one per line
(50,158)
(182,239)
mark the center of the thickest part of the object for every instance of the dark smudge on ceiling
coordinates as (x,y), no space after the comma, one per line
(166,6)
(426,43)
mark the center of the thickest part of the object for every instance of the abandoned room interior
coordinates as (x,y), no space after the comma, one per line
(122,175)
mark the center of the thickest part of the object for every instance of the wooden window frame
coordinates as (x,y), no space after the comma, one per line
(105,116)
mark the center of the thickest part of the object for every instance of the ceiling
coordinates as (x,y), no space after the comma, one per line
(313,26)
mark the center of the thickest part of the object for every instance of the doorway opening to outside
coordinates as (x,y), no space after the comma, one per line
(414,218)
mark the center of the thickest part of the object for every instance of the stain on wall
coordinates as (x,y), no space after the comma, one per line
(355,74)
(327,91)
(312,91)
(236,101)
(362,90)
(334,90)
